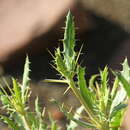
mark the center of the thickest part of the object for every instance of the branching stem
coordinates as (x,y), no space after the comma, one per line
(78,95)
(26,123)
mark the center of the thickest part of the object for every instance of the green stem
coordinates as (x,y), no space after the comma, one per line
(26,123)
(80,98)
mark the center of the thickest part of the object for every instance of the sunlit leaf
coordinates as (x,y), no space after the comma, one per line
(72,125)
(25,83)
(69,42)
(86,94)
(17,91)
(125,83)
(126,70)
(117,108)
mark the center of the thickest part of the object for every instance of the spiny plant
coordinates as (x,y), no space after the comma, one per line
(104,105)
(19,115)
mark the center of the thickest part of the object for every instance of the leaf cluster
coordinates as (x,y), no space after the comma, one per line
(104,104)
(19,116)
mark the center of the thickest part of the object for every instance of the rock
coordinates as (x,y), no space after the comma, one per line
(117,11)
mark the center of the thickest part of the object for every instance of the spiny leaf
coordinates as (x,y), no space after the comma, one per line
(114,88)
(120,95)
(40,122)
(25,83)
(124,77)
(117,116)
(17,91)
(91,82)
(69,42)
(113,94)
(104,80)
(60,65)
(104,99)
(117,108)
(126,70)
(69,36)
(124,82)
(93,89)
(86,94)
(70,115)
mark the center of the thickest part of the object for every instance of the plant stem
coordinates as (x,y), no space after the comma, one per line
(26,123)
(78,95)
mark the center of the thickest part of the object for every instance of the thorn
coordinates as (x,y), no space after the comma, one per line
(50,53)
(66,90)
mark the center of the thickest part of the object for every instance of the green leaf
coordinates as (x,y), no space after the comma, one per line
(9,122)
(69,42)
(39,120)
(124,82)
(114,100)
(85,92)
(124,77)
(60,64)
(91,82)
(114,88)
(104,92)
(5,100)
(70,115)
(126,70)
(17,91)
(104,80)
(54,126)
(25,83)
(117,108)
(117,119)
(32,120)
(92,88)
(124,88)
(72,125)
(38,108)
(17,119)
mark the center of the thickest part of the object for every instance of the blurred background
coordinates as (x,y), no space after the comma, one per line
(31,27)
